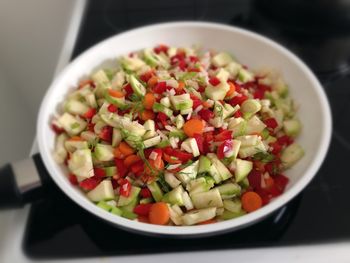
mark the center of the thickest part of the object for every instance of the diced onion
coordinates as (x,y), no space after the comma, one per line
(209,129)
(173,166)
(198,109)
(153,155)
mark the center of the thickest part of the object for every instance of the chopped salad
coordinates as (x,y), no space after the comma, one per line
(179,136)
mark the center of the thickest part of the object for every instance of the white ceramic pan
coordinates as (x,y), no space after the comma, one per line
(18,180)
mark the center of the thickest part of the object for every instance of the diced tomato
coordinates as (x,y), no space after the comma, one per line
(160,87)
(285,140)
(265,196)
(206,114)
(161,48)
(196,101)
(90,183)
(90,113)
(158,151)
(91,126)
(73,179)
(223,135)
(106,133)
(271,123)
(254,178)
(162,117)
(193,59)
(146,76)
(125,188)
(57,129)
(238,100)
(214,81)
(277,148)
(145,193)
(201,89)
(99,172)
(183,156)
(281,181)
(199,140)
(137,167)
(237,114)
(128,90)
(259,94)
(182,65)
(142,209)
(112,108)
(121,168)
(223,148)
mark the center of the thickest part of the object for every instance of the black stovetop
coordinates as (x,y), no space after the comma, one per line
(58,228)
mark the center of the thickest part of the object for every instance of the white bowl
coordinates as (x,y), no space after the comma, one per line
(249,48)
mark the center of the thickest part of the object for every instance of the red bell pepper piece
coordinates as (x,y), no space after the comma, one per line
(160,87)
(121,168)
(99,172)
(271,123)
(223,148)
(285,140)
(142,209)
(214,81)
(222,136)
(112,108)
(90,113)
(199,140)
(206,114)
(125,188)
(106,134)
(237,100)
(146,76)
(254,178)
(161,48)
(137,167)
(145,193)
(128,90)
(90,183)
(73,179)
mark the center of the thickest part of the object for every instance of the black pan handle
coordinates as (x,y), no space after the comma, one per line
(22,182)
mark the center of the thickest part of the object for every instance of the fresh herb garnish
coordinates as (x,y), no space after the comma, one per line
(264,157)
(163,184)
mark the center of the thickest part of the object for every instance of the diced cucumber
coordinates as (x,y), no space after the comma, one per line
(118,80)
(248,140)
(119,102)
(187,201)
(137,86)
(245,76)
(199,185)
(152,142)
(221,168)
(60,153)
(215,174)
(181,102)
(292,127)
(171,180)
(165,101)
(204,164)
(221,59)
(72,125)
(148,200)
(102,192)
(238,126)
(157,193)
(80,163)
(124,201)
(192,143)
(149,135)
(197,216)
(188,173)
(132,63)
(255,125)
(179,121)
(72,146)
(127,214)
(134,128)
(149,125)
(110,171)
(130,206)
(211,198)
(174,216)
(226,215)
(242,169)
(116,137)
(233,68)
(157,107)
(177,133)
(104,152)
(248,151)
(100,77)
(291,155)
(90,137)
(236,144)
(154,59)
(216,93)
(250,107)
(234,206)
(174,197)
(105,206)
(229,190)
(75,107)
(116,211)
